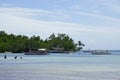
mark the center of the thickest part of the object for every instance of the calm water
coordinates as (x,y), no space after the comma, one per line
(60,67)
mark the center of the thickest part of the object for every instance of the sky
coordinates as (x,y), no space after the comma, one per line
(96,23)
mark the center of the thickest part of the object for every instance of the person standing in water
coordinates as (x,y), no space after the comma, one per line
(15,57)
(20,57)
(5,57)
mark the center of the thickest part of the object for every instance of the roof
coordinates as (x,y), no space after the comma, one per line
(42,49)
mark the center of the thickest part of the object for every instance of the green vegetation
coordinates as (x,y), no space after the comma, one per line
(22,43)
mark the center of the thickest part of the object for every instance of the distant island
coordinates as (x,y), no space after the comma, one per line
(21,43)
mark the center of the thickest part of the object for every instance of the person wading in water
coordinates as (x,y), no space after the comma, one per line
(5,57)
(15,57)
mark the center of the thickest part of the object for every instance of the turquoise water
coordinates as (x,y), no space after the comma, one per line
(60,67)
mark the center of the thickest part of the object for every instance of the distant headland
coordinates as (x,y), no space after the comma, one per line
(21,43)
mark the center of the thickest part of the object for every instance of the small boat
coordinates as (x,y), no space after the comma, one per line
(56,50)
(36,51)
(100,52)
(86,51)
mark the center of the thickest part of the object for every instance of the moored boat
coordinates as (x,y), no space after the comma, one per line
(100,52)
(57,50)
(36,51)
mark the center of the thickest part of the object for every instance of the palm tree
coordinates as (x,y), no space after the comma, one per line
(80,45)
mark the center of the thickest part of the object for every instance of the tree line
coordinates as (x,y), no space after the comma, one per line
(21,43)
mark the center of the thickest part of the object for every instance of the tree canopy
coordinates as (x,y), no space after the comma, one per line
(22,43)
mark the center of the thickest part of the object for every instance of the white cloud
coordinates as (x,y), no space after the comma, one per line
(28,25)
(59,14)
(115,8)
(76,7)
(108,18)
(5,5)
(23,11)
(28,12)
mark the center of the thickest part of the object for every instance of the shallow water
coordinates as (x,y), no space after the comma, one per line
(60,67)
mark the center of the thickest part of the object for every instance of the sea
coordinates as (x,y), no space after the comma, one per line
(77,66)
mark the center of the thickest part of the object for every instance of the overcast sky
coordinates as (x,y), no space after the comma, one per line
(95,22)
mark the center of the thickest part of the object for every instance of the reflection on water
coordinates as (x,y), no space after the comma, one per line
(60,67)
